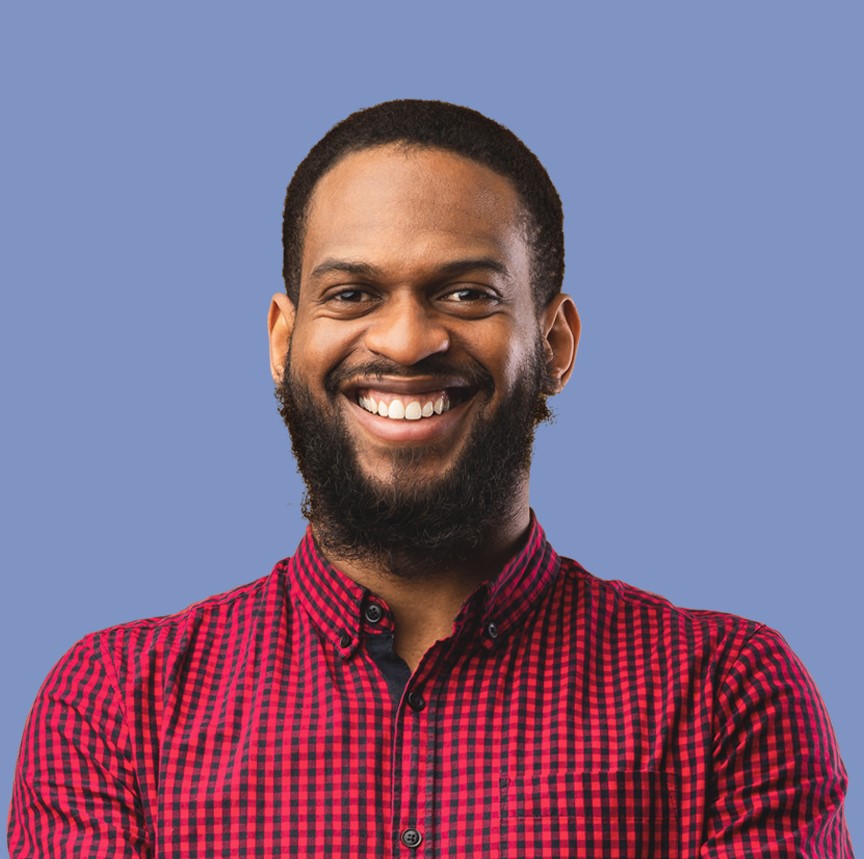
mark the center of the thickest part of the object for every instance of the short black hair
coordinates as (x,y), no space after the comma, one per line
(435,125)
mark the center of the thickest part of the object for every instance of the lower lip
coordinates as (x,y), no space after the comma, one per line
(405,431)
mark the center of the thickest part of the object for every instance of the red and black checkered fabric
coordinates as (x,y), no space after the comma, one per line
(566,716)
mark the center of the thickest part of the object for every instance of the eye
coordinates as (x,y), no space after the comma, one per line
(469,295)
(349,302)
(349,296)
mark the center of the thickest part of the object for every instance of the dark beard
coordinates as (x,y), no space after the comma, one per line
(415,528)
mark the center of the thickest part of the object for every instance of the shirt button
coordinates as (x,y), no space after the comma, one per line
(411,838)
(416,701)
(492,629)
(345,641)
(373,612)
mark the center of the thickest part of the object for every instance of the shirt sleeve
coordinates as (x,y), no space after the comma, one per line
(75,791)
(779,782)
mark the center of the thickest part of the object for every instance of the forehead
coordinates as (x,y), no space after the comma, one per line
(407,206)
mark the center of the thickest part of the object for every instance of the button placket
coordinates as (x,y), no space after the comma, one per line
(414,776)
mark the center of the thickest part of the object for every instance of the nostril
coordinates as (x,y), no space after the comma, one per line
(407,341)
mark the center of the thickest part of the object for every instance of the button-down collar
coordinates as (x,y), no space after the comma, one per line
(337,604)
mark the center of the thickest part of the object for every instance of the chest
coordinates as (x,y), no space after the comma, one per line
(540,746)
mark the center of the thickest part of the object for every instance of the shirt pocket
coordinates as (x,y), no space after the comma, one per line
(626,815)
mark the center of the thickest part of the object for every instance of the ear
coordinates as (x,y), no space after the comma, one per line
(561,329)
(280,324)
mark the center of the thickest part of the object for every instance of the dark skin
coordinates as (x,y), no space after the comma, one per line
(410,253)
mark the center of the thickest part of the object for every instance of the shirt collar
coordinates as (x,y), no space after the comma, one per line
(339,606)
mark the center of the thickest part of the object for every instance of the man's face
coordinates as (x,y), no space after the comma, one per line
(415,336)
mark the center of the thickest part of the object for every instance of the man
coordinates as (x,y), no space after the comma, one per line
(425,676)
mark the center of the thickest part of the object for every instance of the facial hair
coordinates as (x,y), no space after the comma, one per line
(410,527)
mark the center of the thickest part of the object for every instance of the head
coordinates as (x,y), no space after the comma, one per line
(453,128)
(415,348)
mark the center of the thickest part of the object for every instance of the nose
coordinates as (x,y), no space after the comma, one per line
(406,331)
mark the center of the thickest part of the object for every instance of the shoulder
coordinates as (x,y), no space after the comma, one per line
(629,617)
(615,595)
(747,670)
(218,622)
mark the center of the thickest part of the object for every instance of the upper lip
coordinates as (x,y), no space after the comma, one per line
(403,384)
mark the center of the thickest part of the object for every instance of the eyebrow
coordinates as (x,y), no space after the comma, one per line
(449,269)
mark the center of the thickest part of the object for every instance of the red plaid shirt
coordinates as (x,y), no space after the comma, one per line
(566,716)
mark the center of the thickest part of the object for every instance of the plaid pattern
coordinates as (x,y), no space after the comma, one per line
(567,716)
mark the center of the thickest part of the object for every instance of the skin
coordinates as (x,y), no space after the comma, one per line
(411,253)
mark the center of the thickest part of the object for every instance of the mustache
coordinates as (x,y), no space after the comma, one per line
(471,374)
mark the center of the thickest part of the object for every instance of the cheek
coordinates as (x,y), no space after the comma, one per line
(313,353)
(509,357)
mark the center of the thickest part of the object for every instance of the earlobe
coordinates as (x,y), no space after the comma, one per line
(561,328)
(280,324)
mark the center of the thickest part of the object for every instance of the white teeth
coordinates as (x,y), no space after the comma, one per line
(396,410)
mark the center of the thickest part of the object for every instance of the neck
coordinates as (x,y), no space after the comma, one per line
(425,599)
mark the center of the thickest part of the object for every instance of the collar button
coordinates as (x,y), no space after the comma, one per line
(373,612)
(492,630)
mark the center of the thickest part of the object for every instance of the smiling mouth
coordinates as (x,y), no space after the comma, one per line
(410,406)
